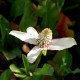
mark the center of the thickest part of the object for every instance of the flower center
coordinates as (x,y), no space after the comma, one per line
(45,38)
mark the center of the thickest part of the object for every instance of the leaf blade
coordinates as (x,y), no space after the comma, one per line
(26,64)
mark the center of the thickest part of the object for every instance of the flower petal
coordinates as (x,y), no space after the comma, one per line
(24,36)
(62,43)
(32,31)
(33,54)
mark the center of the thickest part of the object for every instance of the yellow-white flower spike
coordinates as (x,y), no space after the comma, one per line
(44,38)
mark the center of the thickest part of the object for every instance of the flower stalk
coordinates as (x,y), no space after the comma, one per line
(37,62)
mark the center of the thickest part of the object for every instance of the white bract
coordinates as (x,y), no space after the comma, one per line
(43,41)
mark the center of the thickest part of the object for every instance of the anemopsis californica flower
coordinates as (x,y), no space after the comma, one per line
(43,41)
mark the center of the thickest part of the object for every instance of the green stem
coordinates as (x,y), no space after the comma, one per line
(37,62)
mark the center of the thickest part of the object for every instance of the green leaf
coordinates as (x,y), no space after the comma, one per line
(64,71)
(14,69)
(62,57)
(12,54)
(46,70)
(28,16)
(17,8)
(77,70)
(37,77)
(4,27)
(26,64)
(27,78)
(43,77)
(62,61)
(17,72)
(6,75)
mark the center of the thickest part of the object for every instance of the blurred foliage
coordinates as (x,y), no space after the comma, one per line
(6,75)
(6,40)
(17,72)
(77,70)
(62,61)
(18,7)
(61,16)
(48,11)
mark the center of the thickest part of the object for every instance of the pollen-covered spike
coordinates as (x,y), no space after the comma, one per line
(46,31)
(45,38)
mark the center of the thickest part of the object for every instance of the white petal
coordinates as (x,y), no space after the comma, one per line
(33,54)
(24,36)
(32,31)
(62,43)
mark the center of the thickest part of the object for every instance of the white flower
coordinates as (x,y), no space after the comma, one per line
(43,41)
